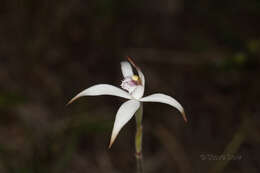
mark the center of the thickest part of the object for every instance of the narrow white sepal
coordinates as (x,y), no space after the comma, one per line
(124,114)
(102,89)
(162,98)
(126,68)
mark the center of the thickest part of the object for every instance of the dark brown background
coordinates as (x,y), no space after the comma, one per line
(203,53)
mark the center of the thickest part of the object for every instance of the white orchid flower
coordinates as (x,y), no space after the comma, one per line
(134,85)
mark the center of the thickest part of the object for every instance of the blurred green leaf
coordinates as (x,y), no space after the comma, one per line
(8,99)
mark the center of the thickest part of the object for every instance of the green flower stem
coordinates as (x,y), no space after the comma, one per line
(138,139)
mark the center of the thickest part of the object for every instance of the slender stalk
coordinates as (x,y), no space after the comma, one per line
(138,139)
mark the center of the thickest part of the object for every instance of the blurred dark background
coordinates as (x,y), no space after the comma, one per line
(203,53)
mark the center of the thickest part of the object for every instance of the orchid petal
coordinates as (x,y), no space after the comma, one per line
(138,92)
(102,89)
(126,68)
(124,114)
(167,100)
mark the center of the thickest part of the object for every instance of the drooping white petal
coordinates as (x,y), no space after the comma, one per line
(138,92)
(162,98)
(126,68)
(102,89)
(124,114)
